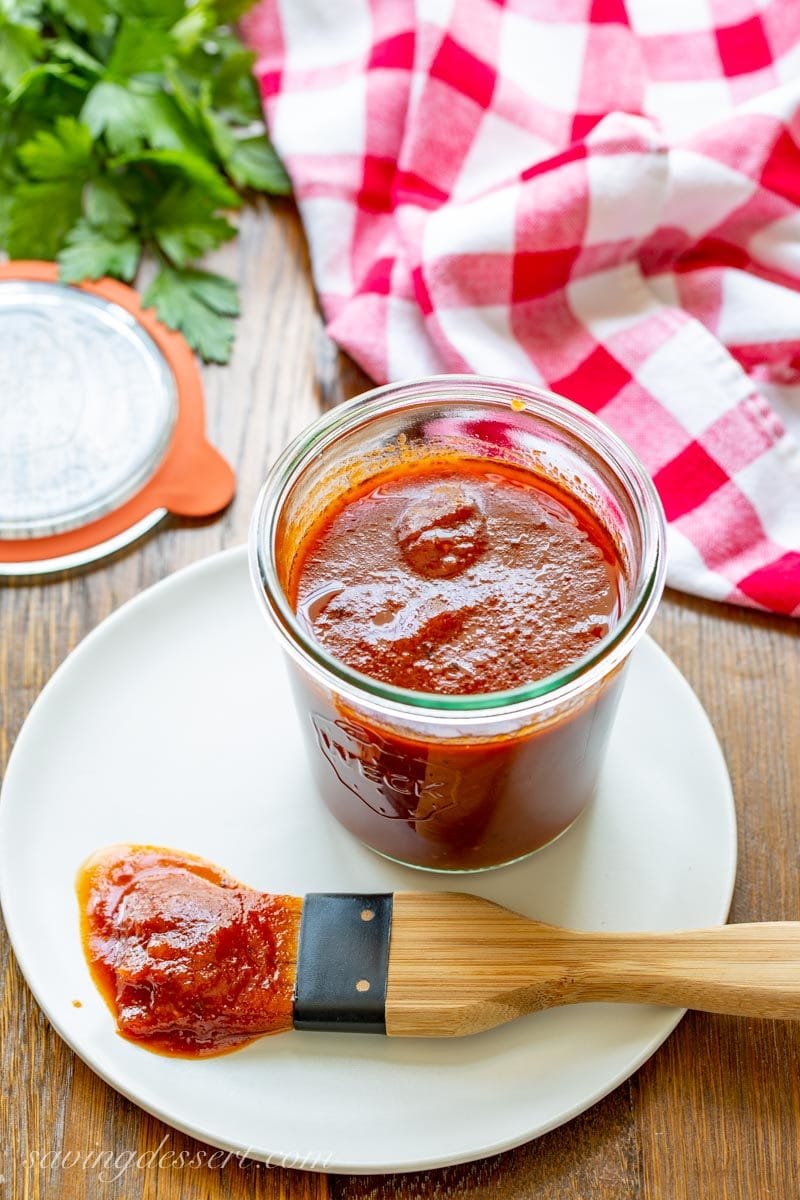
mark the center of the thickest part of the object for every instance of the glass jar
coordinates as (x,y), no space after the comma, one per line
(445,782)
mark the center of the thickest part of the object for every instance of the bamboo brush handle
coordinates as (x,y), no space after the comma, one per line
(459,964)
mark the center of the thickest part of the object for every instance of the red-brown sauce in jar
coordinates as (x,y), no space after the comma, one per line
(462,578)
(189,961)
(456,577)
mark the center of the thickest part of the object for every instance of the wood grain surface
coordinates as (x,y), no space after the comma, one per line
(459,964)
(715,1112)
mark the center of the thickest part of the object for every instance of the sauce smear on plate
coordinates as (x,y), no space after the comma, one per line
(189,961)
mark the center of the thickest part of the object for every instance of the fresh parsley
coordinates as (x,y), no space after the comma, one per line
(131,127)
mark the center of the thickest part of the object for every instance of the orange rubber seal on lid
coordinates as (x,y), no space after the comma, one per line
(191,480)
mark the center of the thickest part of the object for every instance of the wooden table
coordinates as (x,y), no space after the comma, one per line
(715,1113)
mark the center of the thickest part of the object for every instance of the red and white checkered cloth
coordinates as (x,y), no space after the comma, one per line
(598,194)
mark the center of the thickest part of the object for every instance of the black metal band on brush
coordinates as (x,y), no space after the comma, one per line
(342,962)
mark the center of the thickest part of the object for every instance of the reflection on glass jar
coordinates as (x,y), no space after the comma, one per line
(462,803)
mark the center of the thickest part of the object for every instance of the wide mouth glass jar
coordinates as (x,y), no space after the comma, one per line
(458,782)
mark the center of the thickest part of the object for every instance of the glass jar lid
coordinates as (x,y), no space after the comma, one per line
(88,405)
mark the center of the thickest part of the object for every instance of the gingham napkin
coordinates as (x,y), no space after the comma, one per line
(601,195)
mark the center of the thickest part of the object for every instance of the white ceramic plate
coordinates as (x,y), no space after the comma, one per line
(172,724)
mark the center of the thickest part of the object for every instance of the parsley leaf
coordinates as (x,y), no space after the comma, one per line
(232,90)
(184,224)
(37,78)
(62,154)
(200,305)
(215,291)
(105,207)
(20,47)
(113,111)
(90,253)
(88,15)
(39,217)
(232,10)
(196,170)
(250,161)
(166,12)
(140,48)
(71,52)
(255,164)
